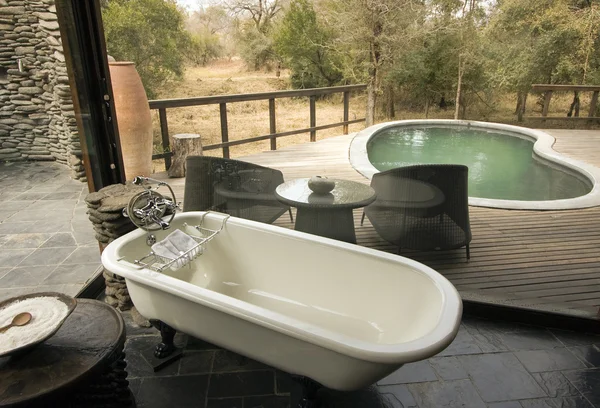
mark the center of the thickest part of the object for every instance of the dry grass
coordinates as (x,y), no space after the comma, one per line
(250,119)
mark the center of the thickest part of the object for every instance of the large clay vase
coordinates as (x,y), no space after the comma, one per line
(133,119)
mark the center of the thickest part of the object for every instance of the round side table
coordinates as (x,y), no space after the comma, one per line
(328,215)
(82,365)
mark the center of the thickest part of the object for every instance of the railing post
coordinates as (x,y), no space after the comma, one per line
(346,108)
(224,129)
(272,123)
(164,132)
(547,98)
(593,104)
(313,118)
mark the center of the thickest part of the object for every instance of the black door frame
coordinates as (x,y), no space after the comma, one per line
(82,34)
(84,47)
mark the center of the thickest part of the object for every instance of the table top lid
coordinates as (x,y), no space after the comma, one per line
(89,337)
(346,194)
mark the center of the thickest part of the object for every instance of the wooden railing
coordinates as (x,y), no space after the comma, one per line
(549,91)
(222,100)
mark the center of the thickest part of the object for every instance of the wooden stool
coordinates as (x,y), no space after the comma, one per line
(82,365)
(184,145)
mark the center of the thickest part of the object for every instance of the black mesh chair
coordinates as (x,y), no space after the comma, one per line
(422,207)
(234,187)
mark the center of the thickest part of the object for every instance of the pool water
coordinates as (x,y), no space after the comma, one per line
(501,166)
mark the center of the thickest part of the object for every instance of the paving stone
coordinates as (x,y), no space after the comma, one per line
(48,226)
(60,239)
(448,368)
(589,355)
(84,254)
(587,381)
(14,227)
(401,393)
(500,377)
(566,402)
(47,256)
(555,384)
(464,343)
(505,404)
(227,361)
(25,276)
(242,384)
(284,384)
(4,271)
(71,274)
(487,338)
(42,215)
(137,366)
(14,292)
(420,371)
(61,195)
(198,344)
(196,362)
(20,203)
(367,397)
(6,215)
(224,403)
(569,338)
(32,240)
(268,401)
(446,394)
(549,360)
(181,391)
(12,257)
(530,340)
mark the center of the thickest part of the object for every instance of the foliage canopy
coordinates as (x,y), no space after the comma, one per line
(150,33)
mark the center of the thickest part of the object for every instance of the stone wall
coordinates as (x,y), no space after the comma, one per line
(37,120)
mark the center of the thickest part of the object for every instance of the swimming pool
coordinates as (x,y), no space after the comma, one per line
(509,166)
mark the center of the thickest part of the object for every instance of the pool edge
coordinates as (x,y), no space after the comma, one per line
(359,160)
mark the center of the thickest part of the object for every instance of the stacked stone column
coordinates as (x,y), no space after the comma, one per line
(37,119)
(105,211)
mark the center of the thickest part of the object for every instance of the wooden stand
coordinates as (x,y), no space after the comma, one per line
(184,145)
(81,366)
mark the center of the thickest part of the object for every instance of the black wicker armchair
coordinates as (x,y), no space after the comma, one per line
(422,207)
(235,187)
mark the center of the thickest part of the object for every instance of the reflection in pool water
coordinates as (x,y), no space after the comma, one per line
(501,166)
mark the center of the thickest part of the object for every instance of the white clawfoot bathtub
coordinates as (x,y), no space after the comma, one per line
(342,315)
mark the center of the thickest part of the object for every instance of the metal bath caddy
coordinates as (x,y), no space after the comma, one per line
(160,263)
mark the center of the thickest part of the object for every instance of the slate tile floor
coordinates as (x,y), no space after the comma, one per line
(46,240)
(489,365)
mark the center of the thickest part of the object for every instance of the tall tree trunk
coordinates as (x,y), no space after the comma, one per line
(574,106)
(389,110)
(426,108)
(371,99)
(521,103)
(459,88)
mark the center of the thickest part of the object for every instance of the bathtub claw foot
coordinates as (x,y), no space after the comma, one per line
(166,347)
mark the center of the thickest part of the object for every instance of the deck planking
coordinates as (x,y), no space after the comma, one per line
(547,260)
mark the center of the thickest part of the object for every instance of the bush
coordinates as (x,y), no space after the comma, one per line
(151,34)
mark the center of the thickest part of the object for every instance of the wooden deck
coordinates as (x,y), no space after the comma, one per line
(547,260)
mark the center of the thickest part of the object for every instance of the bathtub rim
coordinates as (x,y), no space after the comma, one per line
(542,147)
(437,339)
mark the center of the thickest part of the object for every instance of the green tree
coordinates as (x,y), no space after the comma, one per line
(254,37)
(151,34)
(304,46)
(370,36)
(547,41)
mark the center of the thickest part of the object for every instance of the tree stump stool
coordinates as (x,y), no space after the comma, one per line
(82,365)
(184,145)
